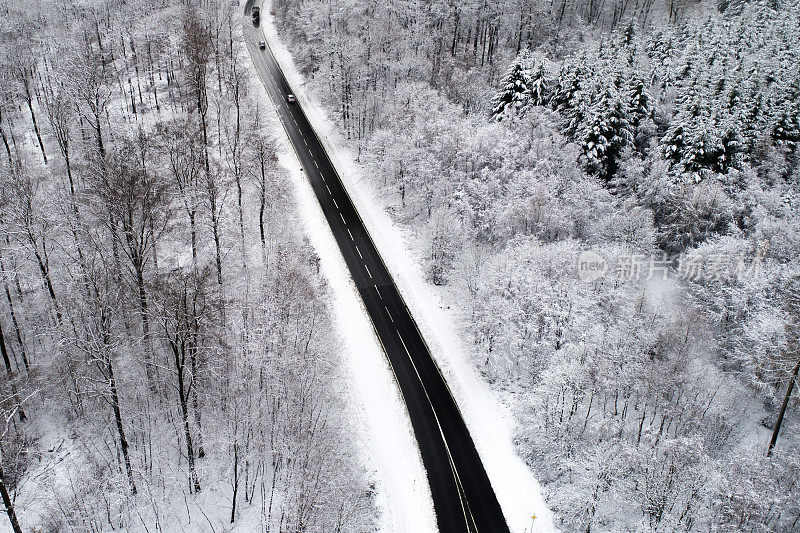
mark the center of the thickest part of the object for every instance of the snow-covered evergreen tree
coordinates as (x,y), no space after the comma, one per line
(605,134)
(539,86)
(573,93)
(660,51)
(702,140)
(640,109)
(514,93)
(786,116)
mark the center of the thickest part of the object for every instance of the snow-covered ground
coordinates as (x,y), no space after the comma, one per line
(489,422)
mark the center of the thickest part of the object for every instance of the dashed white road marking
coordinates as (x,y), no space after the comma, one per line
(388,313)
(378,291)
(359,252)
(404,344)
(334,202)
(326,186)
(368,272)
(351,235)
(343,220)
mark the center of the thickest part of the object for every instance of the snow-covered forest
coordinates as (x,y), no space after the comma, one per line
(510,137)
(603,194)
(170,363)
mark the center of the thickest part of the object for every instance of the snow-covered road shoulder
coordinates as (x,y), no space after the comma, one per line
(490,423)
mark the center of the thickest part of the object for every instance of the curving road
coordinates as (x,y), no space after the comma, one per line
(463,498)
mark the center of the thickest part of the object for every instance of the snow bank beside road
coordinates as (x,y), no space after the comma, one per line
(403,495)
(489,422)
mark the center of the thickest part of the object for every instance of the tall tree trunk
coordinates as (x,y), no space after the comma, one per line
(152,230)
(29,100)
(218,254)
(117,273)
(261,208)
(782,412)
(77,214)
(123,441)
(98,133)
(241,224)
(3,350)
(245,270)
(641,424)
(5,141)
(194,483)
(12,516)
(201,452)
(9,372)
(45,273)
(235,479)
(148,349)
(193,231)
(14,318)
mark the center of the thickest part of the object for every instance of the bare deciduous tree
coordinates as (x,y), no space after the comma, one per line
(134,206)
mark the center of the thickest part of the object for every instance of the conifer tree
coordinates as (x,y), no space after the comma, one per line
(513,94)
(539,86)
(605,134)
(640,108)
(573,93)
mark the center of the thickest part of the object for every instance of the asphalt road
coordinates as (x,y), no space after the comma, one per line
(463,497)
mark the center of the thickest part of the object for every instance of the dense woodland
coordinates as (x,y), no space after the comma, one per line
(170,362)
(510,135)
